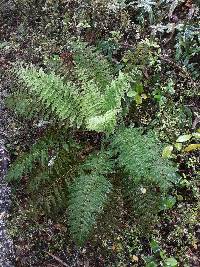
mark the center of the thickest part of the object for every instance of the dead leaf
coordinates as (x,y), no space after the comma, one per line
(134,258)
(192,147)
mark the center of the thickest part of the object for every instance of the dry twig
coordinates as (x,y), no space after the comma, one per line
(57,259)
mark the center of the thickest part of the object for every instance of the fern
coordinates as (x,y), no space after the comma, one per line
(38,181)
(103,123)
(136,159)
(91,65)
(23,105)
(47,148)
(140,156)
(102,110)
(38,153)
(54,200)
(51,91)
(80,106)
(143,201)
(99,163)
(146,176)
(88,196)
(90,101)
(51,180)
(94,99)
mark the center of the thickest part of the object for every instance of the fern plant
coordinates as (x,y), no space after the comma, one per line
(76,176)
(80,104)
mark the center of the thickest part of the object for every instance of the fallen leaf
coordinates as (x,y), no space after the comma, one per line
(196,135)
(135,258)
(183,138)
(178,146)
(192,147)
(167,151)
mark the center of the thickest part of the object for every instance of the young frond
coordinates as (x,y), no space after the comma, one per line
(110,105)
(88,105)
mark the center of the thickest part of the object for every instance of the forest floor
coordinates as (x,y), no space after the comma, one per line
(44,241)
(6,244)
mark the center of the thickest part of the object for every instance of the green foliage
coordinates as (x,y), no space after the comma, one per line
(62,172)
(25,106)
(188,47)
(170,122)
(139,164)
(88,195)
(38,153)
(140,156)
(159,256)
(147,7)
(146,175)
(91,65)
(92,102)
(50,90)
(98,170)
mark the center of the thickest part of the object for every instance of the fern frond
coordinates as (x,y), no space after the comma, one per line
(54,94)
(93,100)
(141,157)
(38,181)
(143,201)
(51,182)
(26,106)
(110,105)
(103,123)
(53,199)
(116,91)
(90,100)
(38,153)
(91,65)
(56,199)
(88,195)
(100,162)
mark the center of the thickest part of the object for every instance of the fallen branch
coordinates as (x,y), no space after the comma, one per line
(57,259)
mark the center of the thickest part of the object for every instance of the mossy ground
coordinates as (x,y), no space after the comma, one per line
(35,35)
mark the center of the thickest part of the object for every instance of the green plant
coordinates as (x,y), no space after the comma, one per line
(159,256)
(77,176)
(92,102)
(187,47)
